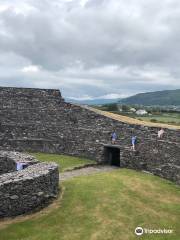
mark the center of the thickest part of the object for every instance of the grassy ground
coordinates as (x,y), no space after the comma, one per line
(172,118)
(64,162)
(105,206)
(131,120)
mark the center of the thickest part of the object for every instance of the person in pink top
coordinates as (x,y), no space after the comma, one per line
(160,133)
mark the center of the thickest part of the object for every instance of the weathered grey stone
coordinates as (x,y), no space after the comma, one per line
(8,160)
(13,197)
(23,191)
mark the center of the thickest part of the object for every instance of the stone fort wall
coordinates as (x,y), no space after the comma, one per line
(9,160)
(40,120)
(28,189)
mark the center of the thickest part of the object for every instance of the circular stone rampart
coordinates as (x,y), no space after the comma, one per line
(9,160)
(28,189)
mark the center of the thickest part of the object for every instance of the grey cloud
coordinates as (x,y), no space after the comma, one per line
(73,44)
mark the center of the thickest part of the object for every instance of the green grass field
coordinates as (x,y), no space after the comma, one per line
(169,118)
(104,206)
(172,118)
(65,162)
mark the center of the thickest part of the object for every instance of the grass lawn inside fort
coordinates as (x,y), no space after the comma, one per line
(65,162)
(104,206)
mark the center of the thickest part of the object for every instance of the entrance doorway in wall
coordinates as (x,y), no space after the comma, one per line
(112,155)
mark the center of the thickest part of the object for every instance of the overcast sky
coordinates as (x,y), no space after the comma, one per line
(90,48)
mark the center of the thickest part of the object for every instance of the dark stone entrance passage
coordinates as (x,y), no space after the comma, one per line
(112,155)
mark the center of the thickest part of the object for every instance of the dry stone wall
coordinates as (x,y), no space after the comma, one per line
(9,160)
(28,189)
(158,157)
(40,120)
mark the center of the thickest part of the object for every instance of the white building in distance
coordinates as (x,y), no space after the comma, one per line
(132,109)
(141,112)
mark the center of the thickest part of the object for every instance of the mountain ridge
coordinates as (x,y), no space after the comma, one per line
(164,97)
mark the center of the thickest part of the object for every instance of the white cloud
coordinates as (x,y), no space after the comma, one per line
(3,8)
(30,69)
(107,96)
(113,96)
(83,97)
(24,9)
(18,7)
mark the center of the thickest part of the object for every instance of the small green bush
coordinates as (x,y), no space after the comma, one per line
(153,120)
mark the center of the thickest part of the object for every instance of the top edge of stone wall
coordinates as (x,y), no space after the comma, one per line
(30,91)
(31,172)
(18,156)
(24,88)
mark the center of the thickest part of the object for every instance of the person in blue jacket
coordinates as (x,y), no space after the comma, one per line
(133,142)
(113,137)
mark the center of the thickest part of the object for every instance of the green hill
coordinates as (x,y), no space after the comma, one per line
(167,97)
